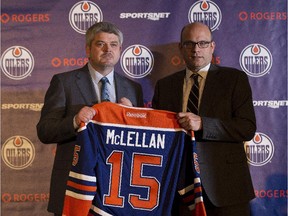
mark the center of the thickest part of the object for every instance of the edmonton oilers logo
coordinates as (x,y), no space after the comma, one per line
(259,150)
(17,62)
(83,15)
(18,152)
(255,60)
(206,12)
(137,61)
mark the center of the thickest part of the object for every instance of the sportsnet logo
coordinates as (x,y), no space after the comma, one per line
(137,61)
(206,12)
(18,152)
(17,62)
(148,16)
(274,104)
(83,15)
(259,150)
(22,106)
(256,60)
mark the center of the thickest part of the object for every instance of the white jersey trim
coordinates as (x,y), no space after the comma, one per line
(79,196)
(99,211)
(82,177)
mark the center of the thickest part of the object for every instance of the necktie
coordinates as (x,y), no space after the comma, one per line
(192,105)
(104,89)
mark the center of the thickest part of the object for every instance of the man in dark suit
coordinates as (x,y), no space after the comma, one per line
(225,119)
(70,96)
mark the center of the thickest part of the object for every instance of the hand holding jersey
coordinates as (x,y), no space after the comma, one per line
(87,113)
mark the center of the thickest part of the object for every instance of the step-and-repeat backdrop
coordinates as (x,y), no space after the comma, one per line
(41,38)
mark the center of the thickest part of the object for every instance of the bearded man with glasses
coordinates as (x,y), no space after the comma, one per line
(222,117)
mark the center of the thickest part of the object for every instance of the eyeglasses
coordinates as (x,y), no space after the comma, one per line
(191,44)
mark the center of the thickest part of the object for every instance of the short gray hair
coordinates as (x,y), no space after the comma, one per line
(102,27)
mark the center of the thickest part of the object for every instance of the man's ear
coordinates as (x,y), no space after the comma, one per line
(213,45)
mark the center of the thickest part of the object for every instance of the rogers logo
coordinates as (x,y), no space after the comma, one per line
(247,16)
(39,197)
(66,62)
(177,60)
(25,18)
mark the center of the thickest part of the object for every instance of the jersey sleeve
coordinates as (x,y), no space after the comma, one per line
(189,184)
(81,184)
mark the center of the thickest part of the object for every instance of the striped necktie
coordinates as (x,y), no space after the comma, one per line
(104,89)
(193,100)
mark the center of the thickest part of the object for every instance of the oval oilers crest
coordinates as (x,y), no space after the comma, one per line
(17,62)
(18,152)
(255,60)
(259,150)
(206,12)
(83,15)
(137,61)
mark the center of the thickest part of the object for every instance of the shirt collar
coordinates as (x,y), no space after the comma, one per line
(96,76)
(202,72)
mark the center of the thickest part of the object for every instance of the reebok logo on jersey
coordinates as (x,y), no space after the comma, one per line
(136,115)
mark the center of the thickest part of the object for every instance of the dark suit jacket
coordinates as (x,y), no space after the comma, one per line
(228,119)
(67,94)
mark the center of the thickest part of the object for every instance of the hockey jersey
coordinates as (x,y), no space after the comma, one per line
(128,161)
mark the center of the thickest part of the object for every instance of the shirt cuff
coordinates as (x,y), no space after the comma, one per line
(75,124)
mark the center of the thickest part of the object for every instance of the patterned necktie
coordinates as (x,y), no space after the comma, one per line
(192,105)
(104,89)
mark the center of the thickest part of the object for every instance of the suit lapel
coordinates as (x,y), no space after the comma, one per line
(120,86)
(177,85)
(209,90)
(124,89)
(85,85)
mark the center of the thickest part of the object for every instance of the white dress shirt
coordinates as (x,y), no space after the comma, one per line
(96,77)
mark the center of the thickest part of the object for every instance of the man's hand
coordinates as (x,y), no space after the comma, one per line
(189,121)
(85,115)
(125,101)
